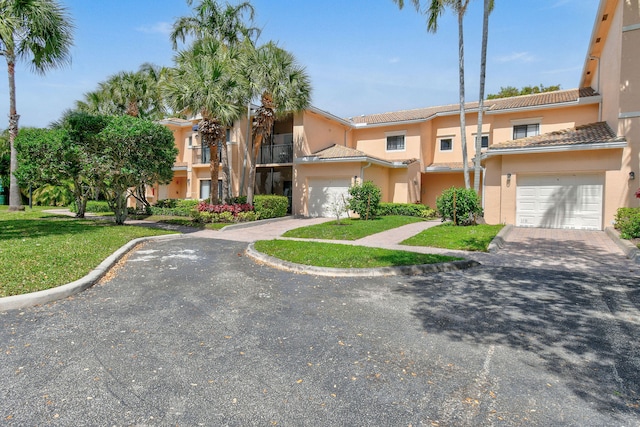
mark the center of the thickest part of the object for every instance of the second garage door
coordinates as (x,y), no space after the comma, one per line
(324,192)
(560,201)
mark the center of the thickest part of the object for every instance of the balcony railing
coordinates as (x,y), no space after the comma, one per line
(202,155)
(276,153)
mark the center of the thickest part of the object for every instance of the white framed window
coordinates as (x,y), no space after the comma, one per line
(190,141)
(485,140)
(445,144)
(523,128)
(524,131)
(395,141)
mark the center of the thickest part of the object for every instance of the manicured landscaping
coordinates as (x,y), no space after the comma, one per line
(350,229)
(41,251)
(448,236)
(344,256)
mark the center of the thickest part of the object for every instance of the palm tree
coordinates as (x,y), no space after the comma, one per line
(136,94)
(488,7)
(433,12)
(40,32)
(210,20)
(227,26)
(283,87)
(206,83)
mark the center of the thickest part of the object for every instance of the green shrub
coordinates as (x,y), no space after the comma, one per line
(365,199)
(406,209)
(460,205)
(246,216)
(166,203)
(270,206)
(627,221)
(93,206)
(175,207)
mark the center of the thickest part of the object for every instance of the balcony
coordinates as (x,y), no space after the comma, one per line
(202,155)
(276,153)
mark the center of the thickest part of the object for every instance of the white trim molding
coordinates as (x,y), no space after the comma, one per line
(629,115)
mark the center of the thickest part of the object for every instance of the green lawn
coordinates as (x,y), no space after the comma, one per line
(350,229)
(41,251)
(343,256)
(448,236)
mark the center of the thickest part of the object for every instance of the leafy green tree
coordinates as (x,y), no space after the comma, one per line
(37,31)
(283,87)
(5,158)
(130,151)
(460,205)
(433,11)
(365,199)
(510,91)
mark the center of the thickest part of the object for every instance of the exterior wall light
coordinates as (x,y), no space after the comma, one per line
(632,175)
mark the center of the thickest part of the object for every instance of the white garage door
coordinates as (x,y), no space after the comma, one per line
(560,201)
(324,192)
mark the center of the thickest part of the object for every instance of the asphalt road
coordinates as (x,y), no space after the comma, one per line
(191,332)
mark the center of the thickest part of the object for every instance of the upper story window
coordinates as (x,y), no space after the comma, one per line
(190,141)
(485,141)
(526,130)
(446,144)
(395,141)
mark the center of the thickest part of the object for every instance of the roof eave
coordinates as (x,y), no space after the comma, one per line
(315,159)
(554,148)
(595,99)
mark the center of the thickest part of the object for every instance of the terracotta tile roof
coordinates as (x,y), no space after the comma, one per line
(454,166)
(548,98)
(592,133)
(338,151)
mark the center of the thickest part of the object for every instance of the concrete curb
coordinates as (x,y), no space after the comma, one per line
(498,242)
(15,302)
(254,223)
(629,249)
(407,270)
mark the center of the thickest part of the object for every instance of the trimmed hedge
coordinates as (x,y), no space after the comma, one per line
(270,206)
(93,206)
(460,205)
(628,222)
(406,209)
(175,207)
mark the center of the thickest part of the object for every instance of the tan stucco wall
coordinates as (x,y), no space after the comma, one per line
(373,141)
(313,132)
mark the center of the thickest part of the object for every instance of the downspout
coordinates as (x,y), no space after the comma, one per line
(362,172)
(484,173)
(595,58)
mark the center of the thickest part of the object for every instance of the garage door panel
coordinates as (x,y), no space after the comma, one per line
(323,193)
(563,201)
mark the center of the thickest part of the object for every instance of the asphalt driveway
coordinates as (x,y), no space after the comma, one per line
(191,332)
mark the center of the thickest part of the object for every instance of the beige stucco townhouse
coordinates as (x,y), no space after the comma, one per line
(565,159)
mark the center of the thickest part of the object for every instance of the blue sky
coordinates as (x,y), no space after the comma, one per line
(363,56)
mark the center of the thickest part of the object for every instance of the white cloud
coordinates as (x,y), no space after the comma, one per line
(394,60)
(516,57)
(157,28)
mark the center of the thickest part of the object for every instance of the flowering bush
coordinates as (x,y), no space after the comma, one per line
(206,212)
(638,193)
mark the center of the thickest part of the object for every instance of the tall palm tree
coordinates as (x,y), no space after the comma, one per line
(228,26)
(477,168)
(433,11)
(211,20)
(37,31)
(205,83)
(283,87)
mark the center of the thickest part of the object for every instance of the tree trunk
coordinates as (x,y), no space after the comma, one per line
(257,143)
(483,71)
(81,198)
(120,209)
(226,174)
(214,168)
(463,124)
(15,200)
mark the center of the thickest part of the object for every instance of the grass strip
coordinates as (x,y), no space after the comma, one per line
(351,229)
(40,251)
(335,255)
(449,236)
